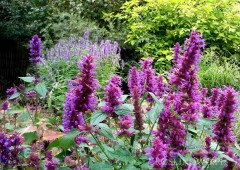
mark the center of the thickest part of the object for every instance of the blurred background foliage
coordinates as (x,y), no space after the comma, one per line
(142,28)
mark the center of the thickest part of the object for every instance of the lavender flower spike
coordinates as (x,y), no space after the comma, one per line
(35,49)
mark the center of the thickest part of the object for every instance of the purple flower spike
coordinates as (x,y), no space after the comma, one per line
(134,79)
(113,94)
(36,50)
(11,91)
(81,97)
(10,148)
(160,155)
(125,124)
(5,105)
(50,164)
(177,55)
(223,129)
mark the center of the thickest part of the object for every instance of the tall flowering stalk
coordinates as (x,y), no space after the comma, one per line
(223,129)
(148,78)
(113,94)
(81,97)
(134,79)
(135,87)
(184,75)
(35,49)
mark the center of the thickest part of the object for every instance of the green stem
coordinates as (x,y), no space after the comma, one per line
(209,161)
(149,134)
(4,119)
(99,144)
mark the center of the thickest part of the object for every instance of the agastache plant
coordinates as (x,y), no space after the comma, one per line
(35,49)
(81,97)
(113,94)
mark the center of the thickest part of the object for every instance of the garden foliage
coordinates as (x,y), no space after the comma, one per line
(155,25)
(172,125)
(60,64)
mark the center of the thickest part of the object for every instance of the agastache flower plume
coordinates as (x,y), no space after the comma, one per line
(5,105)
(223,129)
(125,124)
(177,54)
(160,155)
(35,49)
(10,148)
(170,128)
(138,122)
(134,79)
(150,84)
(113,94)
(11,91)
(50,164)
(184,76)
(81,97)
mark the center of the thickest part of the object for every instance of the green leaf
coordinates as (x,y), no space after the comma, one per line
(105,131)
(129,167)
(23,117)
(54,143)
(183,159)
(206,122)
(12,111)
(101,166)
(98,117)
(156,100)
(64,168)
(25,153)
(222,155)
(154,113)
(27,79)
(124,97)
(30,136)
(122,155)
(124,109)
(41,89)
(15,95)
(68,140)
(8,126)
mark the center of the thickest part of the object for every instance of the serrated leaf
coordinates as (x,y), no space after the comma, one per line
(23,117)
(105,131)
(27,79)
(64,168)
(98,117)
(222,155)
(14,96)
(129,167)
(155,99)
(124,97)
(67,141)
(124,109)
(29,137)
(182,158)
(54,143)
(122,155)
(41,89)
(101,166)
(154,113)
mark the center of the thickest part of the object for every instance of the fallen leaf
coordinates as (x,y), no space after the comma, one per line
(51,135)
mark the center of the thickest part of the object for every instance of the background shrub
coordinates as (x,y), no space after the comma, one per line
(217,71)
(155,25)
